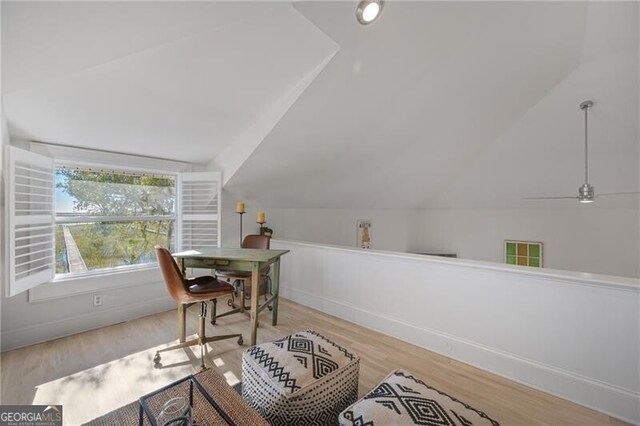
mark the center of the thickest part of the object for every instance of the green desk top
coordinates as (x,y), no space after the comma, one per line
(251,255)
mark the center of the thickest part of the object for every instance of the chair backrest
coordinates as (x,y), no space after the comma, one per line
(172,275)
(255,241)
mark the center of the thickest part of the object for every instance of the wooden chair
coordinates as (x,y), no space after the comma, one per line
(241,280)
(187,292)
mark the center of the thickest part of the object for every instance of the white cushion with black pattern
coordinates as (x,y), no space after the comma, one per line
(302,379)
(403,400)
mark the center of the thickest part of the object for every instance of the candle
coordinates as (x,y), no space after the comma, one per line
(240,207)
(262,218)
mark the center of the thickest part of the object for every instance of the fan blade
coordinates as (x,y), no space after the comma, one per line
(616,193)
(551,198)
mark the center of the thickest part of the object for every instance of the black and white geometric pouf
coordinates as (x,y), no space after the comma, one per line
(302,379)
(401,399)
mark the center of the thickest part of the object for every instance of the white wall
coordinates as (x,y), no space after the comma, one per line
(395,230)
(4,140)
(25,323)
(391,229)
(125,296)
(585,239)
(573,335)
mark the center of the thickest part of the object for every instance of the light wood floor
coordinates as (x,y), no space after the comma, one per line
(95,372)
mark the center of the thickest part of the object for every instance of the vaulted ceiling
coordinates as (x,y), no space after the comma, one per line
(178,80)
(436,105)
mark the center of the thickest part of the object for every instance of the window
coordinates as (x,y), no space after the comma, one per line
(111,219)
(85,224)
(29,218)
(524,253)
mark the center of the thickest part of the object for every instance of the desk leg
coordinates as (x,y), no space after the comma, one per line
(255,287)
(182,312)
(242,298)
(275,289)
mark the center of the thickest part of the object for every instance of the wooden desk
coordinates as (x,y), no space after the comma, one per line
(249,260)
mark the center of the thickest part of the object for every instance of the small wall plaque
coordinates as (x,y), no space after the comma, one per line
(364,233)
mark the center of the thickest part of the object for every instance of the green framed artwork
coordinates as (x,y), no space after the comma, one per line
(523,253)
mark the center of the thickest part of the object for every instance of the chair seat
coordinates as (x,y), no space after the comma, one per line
(207,284)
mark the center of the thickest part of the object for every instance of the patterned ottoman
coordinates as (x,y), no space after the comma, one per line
(303,379)
(401,399)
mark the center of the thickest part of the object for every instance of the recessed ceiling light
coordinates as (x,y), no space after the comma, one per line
(368,11)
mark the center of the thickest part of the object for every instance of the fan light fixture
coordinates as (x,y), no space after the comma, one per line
(586,192)
(368,11)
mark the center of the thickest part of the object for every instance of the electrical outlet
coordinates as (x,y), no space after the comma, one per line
(97,300)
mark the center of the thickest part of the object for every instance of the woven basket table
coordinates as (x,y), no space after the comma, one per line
(227,398)
(302,379)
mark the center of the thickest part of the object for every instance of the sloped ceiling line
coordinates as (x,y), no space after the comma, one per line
(234,155)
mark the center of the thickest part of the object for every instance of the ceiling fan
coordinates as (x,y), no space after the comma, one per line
(586,192)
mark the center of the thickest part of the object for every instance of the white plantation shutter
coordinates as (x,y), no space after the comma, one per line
(30,220)
(199,210)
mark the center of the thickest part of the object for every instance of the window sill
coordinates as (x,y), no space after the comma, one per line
(107,272)
(66,286)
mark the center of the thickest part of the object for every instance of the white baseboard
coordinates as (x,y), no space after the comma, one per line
(25,336)
(592,393)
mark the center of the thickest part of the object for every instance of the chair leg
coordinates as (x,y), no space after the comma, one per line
(225,337)
(201,340)
(178,346)
(231,302)
(214,305)
(201,333)
(237,285)
(242,298)
(233,311)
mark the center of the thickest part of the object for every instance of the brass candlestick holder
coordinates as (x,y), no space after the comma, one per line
(240,209)
(241,213)
(261,226)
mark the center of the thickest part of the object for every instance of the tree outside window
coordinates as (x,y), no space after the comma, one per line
(109,219)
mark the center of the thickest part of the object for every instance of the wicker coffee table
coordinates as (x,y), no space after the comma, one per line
(227,399)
